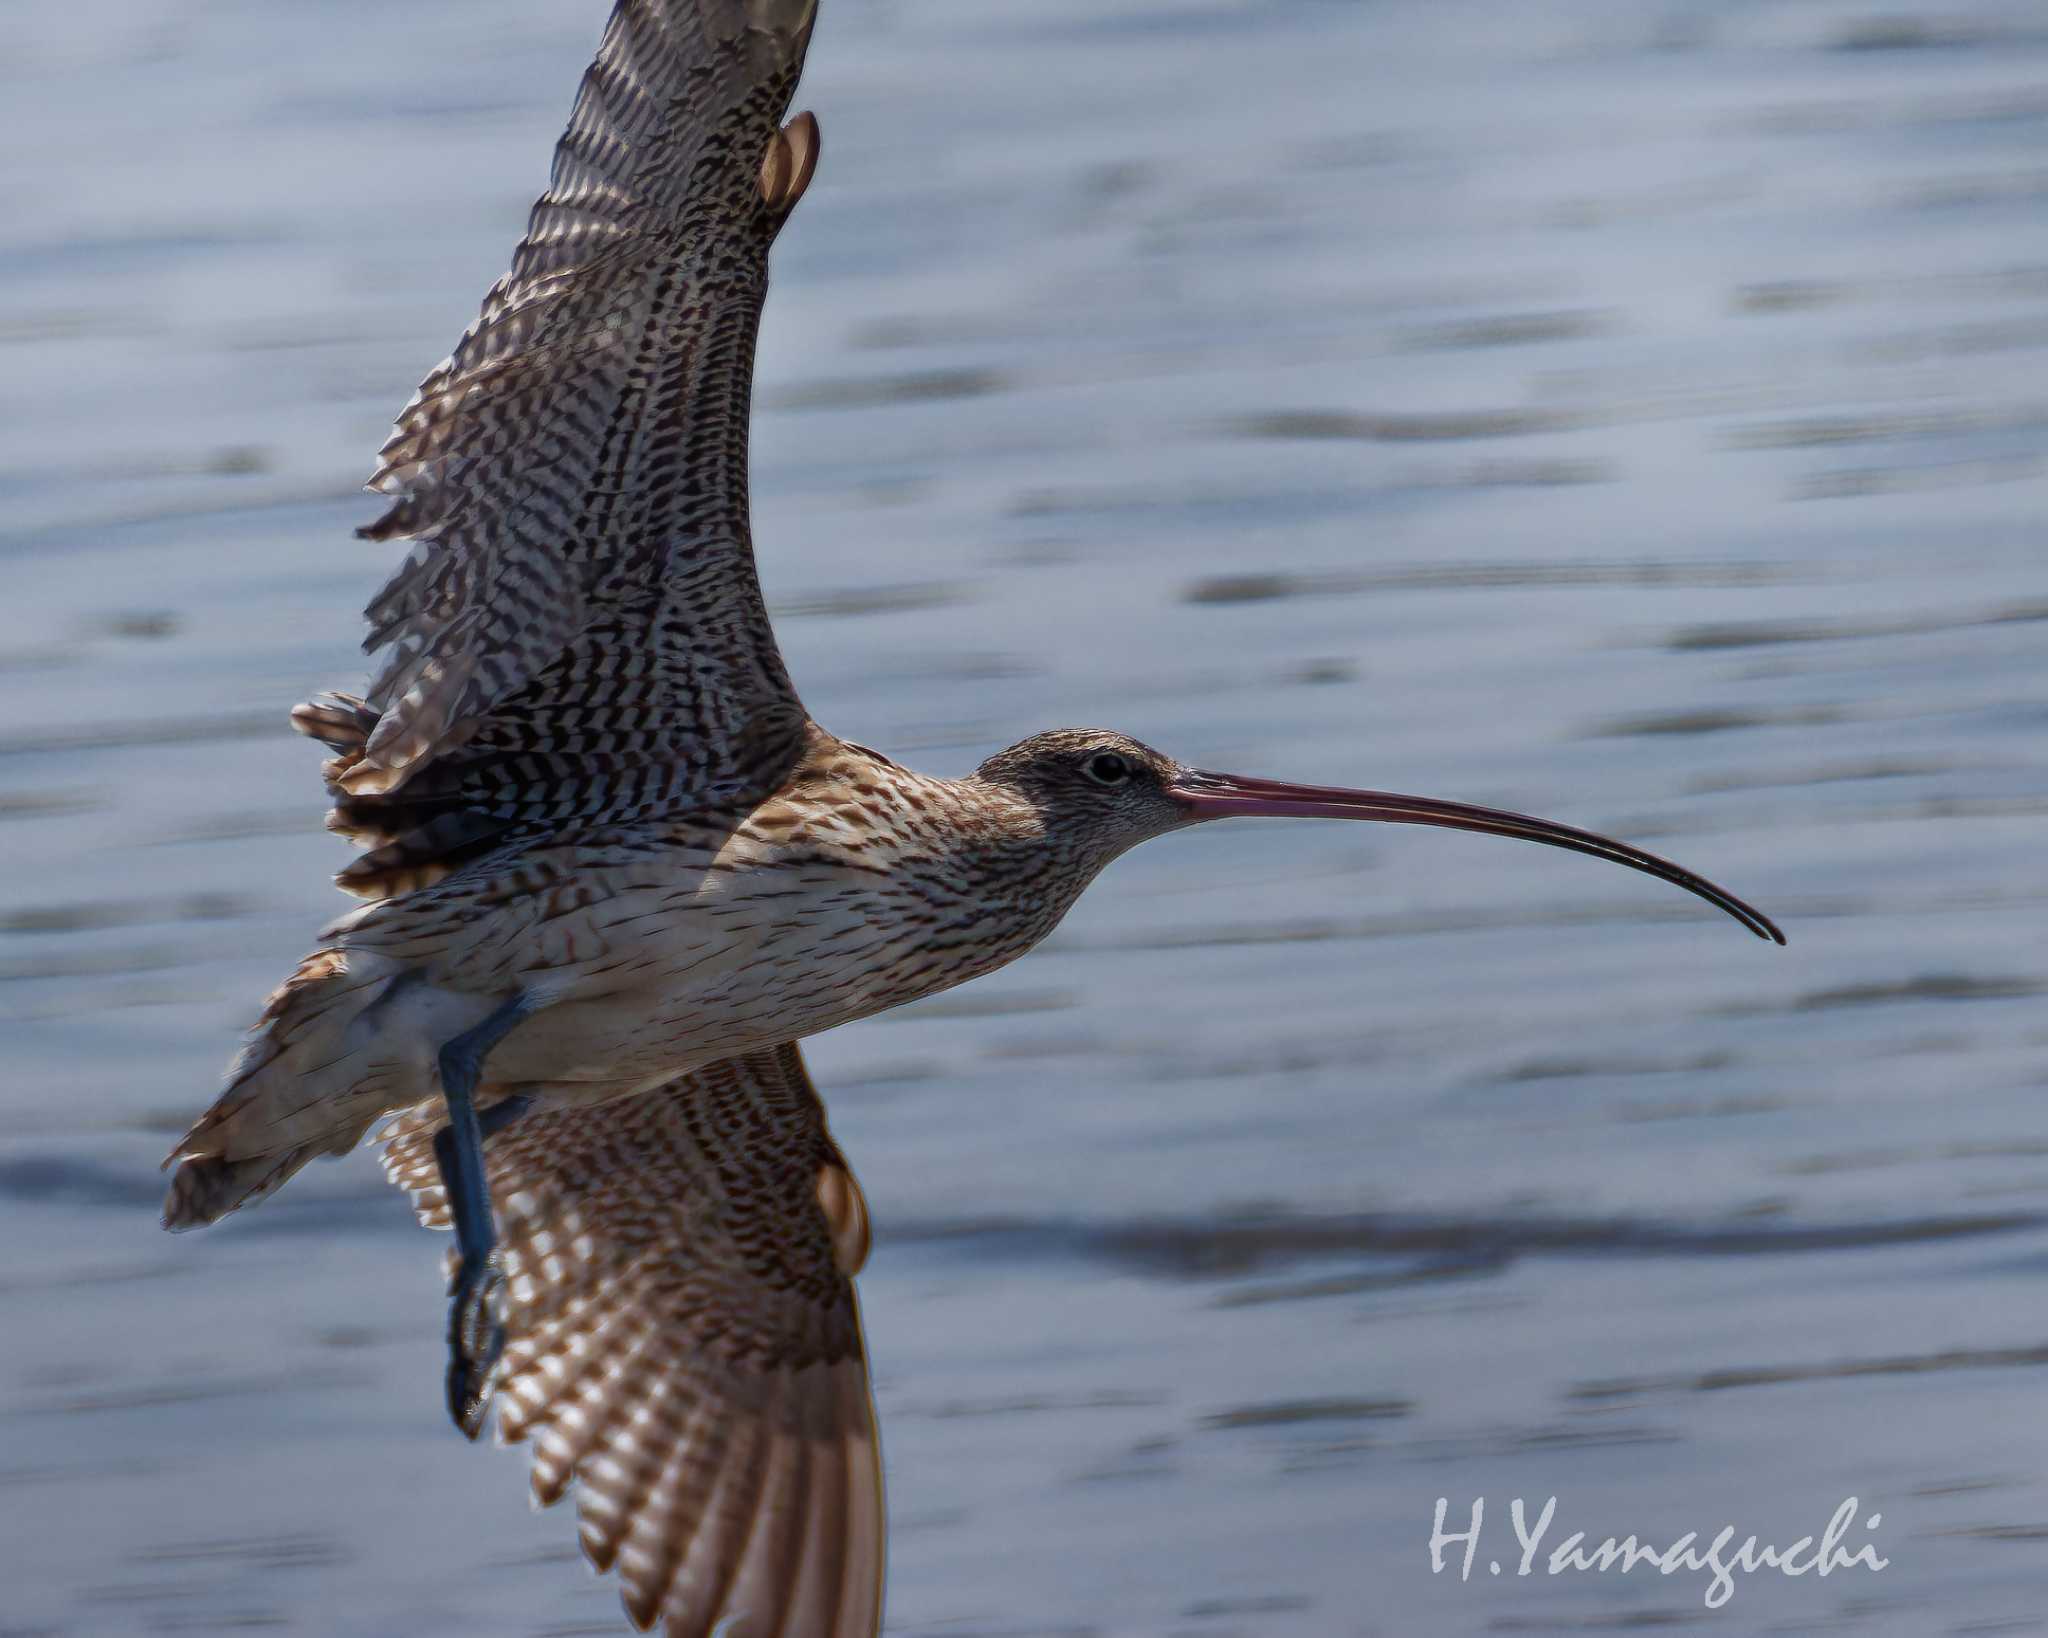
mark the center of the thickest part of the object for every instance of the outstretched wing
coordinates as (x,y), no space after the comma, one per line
(682,1340)
(580,630)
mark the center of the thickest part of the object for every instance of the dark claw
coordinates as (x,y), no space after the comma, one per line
(476,1339)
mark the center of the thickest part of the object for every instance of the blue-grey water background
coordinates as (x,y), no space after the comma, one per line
(1635,413)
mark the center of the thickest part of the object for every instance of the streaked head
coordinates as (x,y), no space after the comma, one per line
(1100,793)
(1097,792)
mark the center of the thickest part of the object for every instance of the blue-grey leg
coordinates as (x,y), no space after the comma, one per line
(476,1336)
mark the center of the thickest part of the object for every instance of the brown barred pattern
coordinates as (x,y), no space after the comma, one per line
(683,1342)
(580,632)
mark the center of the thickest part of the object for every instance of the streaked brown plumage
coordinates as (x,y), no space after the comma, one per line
(582,635)
(683,1342)
(614,872)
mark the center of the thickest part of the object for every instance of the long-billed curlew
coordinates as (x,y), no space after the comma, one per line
(615,872)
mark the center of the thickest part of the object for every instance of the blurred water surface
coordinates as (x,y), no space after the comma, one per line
(1632,413)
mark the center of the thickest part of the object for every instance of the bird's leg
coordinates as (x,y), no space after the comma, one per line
(476,1333)
(476,1336)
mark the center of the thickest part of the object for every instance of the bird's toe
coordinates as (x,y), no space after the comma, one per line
(476,1341)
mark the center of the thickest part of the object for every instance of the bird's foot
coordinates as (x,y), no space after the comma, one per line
(476,1339)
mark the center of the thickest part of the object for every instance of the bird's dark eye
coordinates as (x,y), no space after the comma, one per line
(1107,768)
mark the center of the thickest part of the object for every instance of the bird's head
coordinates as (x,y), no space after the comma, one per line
(1099,793)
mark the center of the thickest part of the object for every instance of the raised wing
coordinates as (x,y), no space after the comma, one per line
(682,1340)
(580,632)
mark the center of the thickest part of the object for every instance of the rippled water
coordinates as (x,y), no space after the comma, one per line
(1630,413)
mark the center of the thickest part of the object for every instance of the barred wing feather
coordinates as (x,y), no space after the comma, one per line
(580,631)
(683,1342)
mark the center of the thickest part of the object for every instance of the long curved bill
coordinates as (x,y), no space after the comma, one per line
(1225,796)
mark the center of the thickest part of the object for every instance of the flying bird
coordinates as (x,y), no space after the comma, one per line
(614,872)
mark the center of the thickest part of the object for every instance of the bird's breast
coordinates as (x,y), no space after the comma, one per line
(735,943)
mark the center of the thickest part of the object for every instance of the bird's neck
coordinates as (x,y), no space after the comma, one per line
(981,855)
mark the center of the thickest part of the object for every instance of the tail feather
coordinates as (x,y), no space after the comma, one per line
(317,1075)
(207,1187)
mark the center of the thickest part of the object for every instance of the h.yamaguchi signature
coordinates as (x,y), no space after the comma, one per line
(1721,1556)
